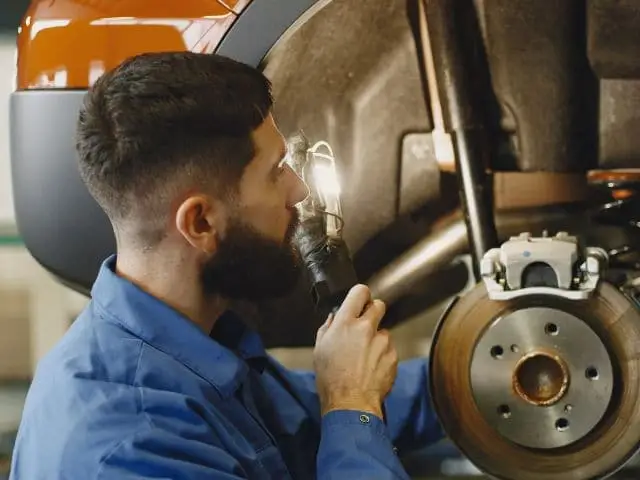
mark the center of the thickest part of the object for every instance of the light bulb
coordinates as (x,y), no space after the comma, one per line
(318,238)
(317,167)
(326,180)
(325,186)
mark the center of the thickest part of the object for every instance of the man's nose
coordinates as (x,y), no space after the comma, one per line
(299,190)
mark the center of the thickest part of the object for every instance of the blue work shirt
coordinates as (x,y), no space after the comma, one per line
(136,390)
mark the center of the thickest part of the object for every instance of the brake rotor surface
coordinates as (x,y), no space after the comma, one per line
(540,388)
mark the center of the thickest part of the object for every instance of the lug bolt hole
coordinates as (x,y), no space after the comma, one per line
(504,411)
(592,373)
(551,329)
(497,351)
(562,424)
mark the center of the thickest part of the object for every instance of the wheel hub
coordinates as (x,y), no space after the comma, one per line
(540,378)
(532,377)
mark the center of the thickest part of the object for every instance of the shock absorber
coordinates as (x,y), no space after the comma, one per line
(620,207)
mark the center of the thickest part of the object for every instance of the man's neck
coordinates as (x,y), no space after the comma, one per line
(173,283)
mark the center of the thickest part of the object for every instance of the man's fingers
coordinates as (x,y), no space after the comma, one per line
(375,313)
(381,343)
(324,327)
(357,298)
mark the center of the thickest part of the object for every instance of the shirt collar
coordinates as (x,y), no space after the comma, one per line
(219,360)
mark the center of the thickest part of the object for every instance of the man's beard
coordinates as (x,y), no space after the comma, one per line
(250,266)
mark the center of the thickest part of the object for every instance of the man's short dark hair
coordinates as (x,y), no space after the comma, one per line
(164,120)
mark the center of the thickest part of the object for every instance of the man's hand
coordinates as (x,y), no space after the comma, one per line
(355,363)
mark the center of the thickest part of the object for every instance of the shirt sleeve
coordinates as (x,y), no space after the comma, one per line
(411,421)
(161,454)
(356,445)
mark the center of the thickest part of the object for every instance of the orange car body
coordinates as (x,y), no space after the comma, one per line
(69,43)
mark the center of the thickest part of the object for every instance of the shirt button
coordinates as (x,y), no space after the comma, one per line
(364,419)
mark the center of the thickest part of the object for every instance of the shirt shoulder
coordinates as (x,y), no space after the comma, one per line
(81,401)
(97,389)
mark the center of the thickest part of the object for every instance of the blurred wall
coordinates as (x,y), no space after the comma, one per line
(11,11)
(7,67)
(35,311)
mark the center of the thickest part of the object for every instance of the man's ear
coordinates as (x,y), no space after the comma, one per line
(200,219)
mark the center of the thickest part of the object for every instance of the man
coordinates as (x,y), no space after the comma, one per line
(156,378)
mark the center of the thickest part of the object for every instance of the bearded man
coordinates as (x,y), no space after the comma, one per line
(157,378)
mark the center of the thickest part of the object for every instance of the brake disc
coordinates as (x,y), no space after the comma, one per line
(540,387)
